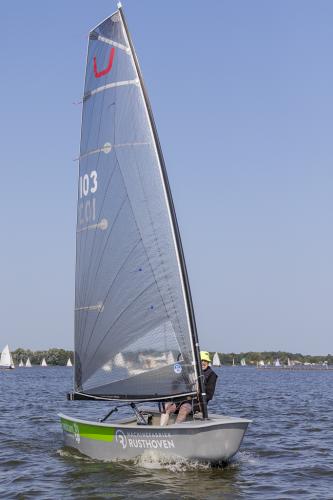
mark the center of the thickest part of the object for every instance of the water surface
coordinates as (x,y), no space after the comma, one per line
(286,453)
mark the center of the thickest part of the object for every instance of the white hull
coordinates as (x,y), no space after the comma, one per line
(214,440)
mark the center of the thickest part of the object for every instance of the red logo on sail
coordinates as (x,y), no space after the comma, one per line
(105,71)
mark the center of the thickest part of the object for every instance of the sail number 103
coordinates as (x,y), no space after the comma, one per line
(87,206)
(88,184)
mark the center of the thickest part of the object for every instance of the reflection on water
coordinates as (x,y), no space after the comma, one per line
(286,453)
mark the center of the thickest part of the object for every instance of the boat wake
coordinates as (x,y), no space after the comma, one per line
(243,457)
(148,461)
(72,453)
(154,461)
(174,464)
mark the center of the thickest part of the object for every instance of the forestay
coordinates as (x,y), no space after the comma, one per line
(133,331)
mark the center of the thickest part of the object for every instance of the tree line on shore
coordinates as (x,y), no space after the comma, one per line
(53,356)
(57,356)
(271,356)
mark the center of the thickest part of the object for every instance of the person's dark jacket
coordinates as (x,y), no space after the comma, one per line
(210,382)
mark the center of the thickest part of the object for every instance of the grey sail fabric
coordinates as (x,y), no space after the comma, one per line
(132,328)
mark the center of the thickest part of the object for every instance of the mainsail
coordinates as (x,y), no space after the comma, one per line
(135,334)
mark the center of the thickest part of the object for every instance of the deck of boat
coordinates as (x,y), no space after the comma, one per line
(153,421)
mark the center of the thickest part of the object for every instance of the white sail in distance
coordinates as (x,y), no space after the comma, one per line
(6,360)
(216,360)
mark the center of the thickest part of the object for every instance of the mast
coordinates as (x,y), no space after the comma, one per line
(194,333)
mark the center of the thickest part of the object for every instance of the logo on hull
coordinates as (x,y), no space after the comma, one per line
(121,438)
(145,440)
(76,433)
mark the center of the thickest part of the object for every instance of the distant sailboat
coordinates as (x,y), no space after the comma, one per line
(243,362)
(170,358)
(6,360)
(21,363)
(119,360)
(28,363)
(277,362)
(43,363)
(216,360)
(233,362)
(69,363)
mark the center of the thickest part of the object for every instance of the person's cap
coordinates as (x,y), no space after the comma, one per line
(204,355)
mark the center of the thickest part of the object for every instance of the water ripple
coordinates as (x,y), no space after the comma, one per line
(286,454)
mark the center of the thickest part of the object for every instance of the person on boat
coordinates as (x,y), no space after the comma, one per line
(184,408)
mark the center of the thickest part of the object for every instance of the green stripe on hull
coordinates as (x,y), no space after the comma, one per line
(96,432)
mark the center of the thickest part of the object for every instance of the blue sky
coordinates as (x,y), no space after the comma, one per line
(242,96)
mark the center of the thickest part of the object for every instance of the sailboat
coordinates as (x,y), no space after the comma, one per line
(69,363)
(43,363)
(6,359)
(216,360)
(28,363)
(277,362)
(243,362)
(133,303)
(21,363)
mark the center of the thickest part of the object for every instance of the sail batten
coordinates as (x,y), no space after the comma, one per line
(108,147)
(113,43)
(110,86)
(134,322)
(97,307)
